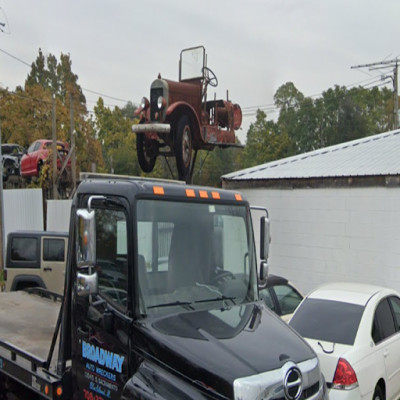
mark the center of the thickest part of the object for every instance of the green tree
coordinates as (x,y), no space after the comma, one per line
(265,142)
(114,131)
(339,115)
(27,112)
(211,165)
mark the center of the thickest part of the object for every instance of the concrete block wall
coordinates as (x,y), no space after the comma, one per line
(333,234)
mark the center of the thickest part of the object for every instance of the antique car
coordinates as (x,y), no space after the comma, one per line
(178,120)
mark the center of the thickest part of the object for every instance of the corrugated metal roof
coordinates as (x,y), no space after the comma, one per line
(369,156)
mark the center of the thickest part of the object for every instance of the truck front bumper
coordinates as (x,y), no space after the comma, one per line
(156,127)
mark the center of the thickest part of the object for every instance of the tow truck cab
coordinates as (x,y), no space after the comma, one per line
(163,290)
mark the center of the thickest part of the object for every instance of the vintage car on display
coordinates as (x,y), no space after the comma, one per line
(178,120)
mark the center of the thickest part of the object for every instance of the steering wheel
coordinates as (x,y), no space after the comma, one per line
(210,77)
(222,277)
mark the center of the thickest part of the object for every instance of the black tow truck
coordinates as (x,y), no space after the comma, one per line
(160,302)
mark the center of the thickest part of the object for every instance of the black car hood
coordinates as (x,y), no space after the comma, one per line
(218,346)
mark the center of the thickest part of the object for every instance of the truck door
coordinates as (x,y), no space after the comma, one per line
(53,259)
(102,325)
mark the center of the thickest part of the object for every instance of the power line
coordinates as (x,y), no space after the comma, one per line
(15,58)
(85,89)
(394,63)
(5,24)
(105,95)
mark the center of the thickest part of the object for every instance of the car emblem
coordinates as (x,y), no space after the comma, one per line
(293,384)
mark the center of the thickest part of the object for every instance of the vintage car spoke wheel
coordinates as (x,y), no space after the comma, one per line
(146,152)
(183,148)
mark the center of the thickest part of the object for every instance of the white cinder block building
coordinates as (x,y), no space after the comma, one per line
(335,212)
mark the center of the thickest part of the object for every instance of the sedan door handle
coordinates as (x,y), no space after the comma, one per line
(385,353)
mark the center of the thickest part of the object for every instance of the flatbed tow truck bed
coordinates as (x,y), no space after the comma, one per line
(28,323)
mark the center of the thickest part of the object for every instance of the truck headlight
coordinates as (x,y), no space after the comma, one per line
(144,103)
(161,102)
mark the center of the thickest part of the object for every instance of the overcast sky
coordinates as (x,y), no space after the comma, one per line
(118,47)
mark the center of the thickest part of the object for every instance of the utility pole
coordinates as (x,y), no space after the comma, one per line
(388,64)
(2,239)
(54,149)
(72,128)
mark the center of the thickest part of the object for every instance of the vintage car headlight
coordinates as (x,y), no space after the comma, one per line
(161,102)
(144,103)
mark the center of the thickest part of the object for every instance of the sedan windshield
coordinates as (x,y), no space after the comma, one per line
(331,321)
(194,256)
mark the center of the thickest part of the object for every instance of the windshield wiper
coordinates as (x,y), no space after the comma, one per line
(219,298)
(185,304)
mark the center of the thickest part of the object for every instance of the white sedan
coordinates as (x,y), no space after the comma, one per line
(355,330)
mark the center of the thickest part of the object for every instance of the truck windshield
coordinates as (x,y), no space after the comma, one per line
(193,255)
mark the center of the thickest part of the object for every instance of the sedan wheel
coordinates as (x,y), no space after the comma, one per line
(378,394)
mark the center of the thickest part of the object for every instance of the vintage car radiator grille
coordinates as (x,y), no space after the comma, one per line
(154,95)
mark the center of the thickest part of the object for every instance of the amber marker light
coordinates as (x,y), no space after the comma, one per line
(203,194)
(215,195)
(190,193)
(158,190)
(238,197)
(46,390)
(59,391)
(85,238)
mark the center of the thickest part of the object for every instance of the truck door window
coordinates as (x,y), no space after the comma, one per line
(155,252)
(53,249)
(234,251)
(111,255)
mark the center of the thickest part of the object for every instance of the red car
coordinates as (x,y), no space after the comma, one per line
(38,154)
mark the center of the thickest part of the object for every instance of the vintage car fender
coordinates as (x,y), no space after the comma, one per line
(175,110)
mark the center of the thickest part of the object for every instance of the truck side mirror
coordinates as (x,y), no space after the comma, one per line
(87,284)
(85,238)
(265,239)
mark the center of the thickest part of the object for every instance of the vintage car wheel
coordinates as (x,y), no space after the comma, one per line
(146,152)
(183,148)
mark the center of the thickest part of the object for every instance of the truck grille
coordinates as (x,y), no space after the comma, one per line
(294,382)
(307,392)
(155,93)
